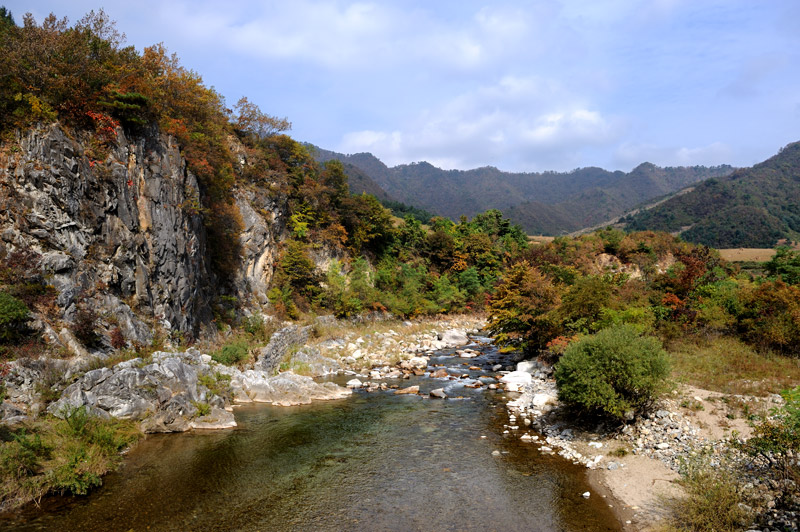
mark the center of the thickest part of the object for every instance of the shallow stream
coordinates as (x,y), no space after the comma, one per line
(371,462)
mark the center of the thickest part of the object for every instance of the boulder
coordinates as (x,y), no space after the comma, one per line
(529,366)
(454,337)
(542,399)
(409,390)
(163,395)
(516,380)
(218,418)
(415,363)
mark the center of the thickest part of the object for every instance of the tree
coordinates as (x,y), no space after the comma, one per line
(521,310)
(785,265)
(250,120)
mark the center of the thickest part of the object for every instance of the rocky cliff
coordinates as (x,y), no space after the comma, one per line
(118,229)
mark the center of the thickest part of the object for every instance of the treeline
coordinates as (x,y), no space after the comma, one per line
(558,292)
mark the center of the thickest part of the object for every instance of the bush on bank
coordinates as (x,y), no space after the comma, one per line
(616,373)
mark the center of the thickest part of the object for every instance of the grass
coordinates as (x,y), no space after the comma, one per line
(67,456)
(113,359)
(714,500)
(747,254)
(730,366)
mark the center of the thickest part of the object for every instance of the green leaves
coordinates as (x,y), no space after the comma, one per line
(13,316)
(614,373)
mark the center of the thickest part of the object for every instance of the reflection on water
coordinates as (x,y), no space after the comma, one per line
(371,462)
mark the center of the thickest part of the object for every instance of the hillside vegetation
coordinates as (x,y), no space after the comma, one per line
(549,203)
(752,207)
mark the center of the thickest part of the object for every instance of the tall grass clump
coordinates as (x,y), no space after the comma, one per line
(714,499)
(67,456)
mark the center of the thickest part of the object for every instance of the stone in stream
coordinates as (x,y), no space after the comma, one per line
(414,363)
(354,383)
(454,337)
(409,390)
(438,393)
(218,418)
(516,380)
(440,373)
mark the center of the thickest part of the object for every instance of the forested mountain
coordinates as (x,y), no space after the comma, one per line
(752,207)
(546,203)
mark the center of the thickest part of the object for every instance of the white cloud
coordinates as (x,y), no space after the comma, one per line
(631,154)
(532,123)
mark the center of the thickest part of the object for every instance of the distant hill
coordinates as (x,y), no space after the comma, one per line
(752,207)
(543,203)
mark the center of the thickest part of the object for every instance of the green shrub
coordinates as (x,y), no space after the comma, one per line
(21,457)
(13,316)
(771,317)
(615,373)
(80,469)
(218,384)
(203,409)
(232,353)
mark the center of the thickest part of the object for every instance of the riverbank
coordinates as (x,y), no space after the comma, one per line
(637,467)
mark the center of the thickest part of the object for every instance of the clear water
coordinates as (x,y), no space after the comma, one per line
(371,462)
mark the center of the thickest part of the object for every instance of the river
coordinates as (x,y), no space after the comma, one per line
(375,461)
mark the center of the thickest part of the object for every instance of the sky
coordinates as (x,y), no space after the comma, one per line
(522,86)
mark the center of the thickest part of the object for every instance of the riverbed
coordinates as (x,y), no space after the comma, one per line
(374,461)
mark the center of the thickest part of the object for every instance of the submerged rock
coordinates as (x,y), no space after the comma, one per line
(287,388)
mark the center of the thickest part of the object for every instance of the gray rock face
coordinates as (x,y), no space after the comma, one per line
(270,356)
(165,394)
(121,224)
(261,229)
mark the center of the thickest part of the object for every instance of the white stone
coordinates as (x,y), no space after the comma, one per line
(541,399)
(517,377)
(354,383)
(586,494)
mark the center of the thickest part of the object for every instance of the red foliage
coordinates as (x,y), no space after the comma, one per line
(105,126)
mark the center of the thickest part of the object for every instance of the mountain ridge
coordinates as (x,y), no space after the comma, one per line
(751,207)
(542,202)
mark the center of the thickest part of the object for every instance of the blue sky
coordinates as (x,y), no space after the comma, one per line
(526,85)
